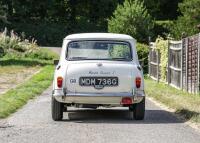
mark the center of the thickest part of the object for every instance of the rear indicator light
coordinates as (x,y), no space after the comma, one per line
(126,101)
(59,82)
(138,82)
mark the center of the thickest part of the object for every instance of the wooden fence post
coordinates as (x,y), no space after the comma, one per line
(181,64)
(168,64)
(158,65)
(198,63)
(186,63)
(149,61)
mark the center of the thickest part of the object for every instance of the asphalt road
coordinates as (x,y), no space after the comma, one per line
(33,124)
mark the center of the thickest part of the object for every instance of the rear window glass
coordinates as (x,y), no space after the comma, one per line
(99,50)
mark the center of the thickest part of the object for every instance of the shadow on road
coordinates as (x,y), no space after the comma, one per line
(119,117)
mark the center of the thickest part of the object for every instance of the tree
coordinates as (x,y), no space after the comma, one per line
(131,18)
(50,20)
(90,15)
(162,9)
(3,17)
(188,21)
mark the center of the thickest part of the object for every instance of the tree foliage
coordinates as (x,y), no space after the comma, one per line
(50,21)
(162,28)
(188,21)
(133,19)
(163,9)
(3,17)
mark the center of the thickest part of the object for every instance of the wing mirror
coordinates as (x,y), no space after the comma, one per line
(55,62)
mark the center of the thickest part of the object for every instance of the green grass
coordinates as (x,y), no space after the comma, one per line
(187,105)
(16,98)
(27,62)
(43,54)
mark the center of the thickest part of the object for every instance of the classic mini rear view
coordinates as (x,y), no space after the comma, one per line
(98,70)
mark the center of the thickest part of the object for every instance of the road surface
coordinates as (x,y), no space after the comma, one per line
(33,124)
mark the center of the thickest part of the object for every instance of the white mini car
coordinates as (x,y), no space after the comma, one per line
(98,69)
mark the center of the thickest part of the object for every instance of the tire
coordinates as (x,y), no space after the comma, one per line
(139,110)
(56,109)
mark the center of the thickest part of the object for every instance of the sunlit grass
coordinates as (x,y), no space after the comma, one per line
(185,104)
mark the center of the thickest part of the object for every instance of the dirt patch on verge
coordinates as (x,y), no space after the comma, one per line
(12,76)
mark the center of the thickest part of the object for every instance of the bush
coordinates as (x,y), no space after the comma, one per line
(143,52)
(162,46)
(14,47)
(133,19)
(188,21)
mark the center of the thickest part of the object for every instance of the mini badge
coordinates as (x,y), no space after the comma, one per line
(99,64)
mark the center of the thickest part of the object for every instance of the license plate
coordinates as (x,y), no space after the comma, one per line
(98,81)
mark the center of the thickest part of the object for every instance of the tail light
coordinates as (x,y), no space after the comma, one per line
(138,82)
(126,101)
(59,81)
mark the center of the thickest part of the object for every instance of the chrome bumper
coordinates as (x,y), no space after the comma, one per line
(97,98)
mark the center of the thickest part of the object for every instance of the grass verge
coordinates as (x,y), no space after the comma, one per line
(16,98)
(25,62)
(185,104)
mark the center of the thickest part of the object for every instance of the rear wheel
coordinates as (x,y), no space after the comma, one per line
(56,109)
(139,110)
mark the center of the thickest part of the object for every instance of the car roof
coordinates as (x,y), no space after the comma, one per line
(99,36)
